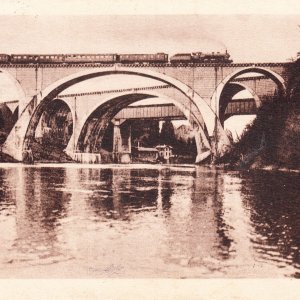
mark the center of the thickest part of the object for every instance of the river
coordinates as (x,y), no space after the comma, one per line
(91,221)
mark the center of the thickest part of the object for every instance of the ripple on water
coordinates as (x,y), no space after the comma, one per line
(142,220)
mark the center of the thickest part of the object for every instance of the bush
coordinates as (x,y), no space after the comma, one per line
(264,140)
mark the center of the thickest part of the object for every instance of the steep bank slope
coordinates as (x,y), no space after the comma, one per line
(49,154)
(288,144)
(272,140)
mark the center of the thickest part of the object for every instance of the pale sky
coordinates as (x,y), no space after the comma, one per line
(248,38)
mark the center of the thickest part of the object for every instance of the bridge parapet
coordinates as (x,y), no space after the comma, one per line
(200,77)
(143,65)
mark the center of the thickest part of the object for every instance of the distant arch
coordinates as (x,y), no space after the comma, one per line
(229,91)
(216,97)
(206,116)
(104,112)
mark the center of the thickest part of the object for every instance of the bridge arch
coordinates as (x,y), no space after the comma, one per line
(243,86)
(16,84)
(29,123)
(57,87)
(85,140)
(216,97)
(229,91)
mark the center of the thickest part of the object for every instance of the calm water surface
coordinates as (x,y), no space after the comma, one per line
(147,221)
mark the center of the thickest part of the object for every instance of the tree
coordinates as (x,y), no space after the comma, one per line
(167,134)
(154,133)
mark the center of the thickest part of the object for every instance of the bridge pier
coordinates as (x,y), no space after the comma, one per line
(203,147)
(16,143)
(121,150)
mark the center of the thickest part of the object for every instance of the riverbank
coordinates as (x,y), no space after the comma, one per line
(272,142)
(4,158)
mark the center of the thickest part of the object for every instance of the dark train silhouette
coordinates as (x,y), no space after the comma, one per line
(200,57)
(180,58)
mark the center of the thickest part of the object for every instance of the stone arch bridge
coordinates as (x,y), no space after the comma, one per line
(201,91)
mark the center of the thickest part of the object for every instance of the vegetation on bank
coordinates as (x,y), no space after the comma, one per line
(273,139)
(48,153)
(6,158)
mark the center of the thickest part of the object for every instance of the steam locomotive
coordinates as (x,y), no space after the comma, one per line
(200,57)
(197,57)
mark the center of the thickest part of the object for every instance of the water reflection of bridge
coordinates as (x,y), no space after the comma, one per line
(187,218)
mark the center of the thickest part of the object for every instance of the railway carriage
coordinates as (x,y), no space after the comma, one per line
(24,58)
(62,58)
(143,58)
(36,58)
(51,58)
(4,58)
(91,58)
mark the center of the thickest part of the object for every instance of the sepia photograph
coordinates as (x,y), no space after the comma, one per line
(149,144)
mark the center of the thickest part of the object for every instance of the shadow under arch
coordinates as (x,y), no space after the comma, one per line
(57,119)
(229,91)
(56,103)
(87,140)
(15,115)
(8,117)
(217,95)
(6,122)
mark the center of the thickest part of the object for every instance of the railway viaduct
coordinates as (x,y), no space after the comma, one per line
(201,91)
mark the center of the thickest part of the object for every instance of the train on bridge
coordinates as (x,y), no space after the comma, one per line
(180,58)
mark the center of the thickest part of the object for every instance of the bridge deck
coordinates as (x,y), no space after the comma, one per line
(241,107)
(161,111)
